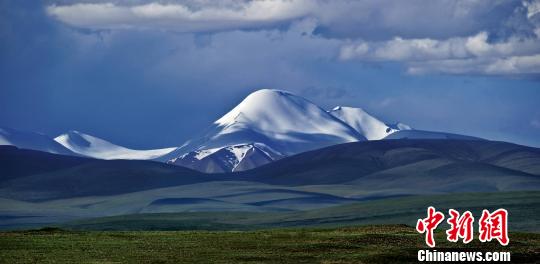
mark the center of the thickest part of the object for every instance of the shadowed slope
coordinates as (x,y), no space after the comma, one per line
(405,165)
(32,175)
(430,158)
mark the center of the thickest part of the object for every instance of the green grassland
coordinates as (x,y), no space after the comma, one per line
(366,244)
(523,207)
(376,231)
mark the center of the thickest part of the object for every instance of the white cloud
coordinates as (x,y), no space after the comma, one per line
(474,54)
(515,65)
(418,49)
(533,8)
(501,66)
(351,51)
(180,17)
(449,36)
(364,19)
(399,49)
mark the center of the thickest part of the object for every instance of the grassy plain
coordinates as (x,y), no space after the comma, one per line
(364,244)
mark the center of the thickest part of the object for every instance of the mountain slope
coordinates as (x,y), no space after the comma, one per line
(94,147)
(523,206)
(228,159)
(445,164)
(48,176)
(31,140)
(367,125)
(266,126)
(16,163)
(374,129)
(49,188)
(422,134)
(386,167)
(279,120)
(52,188)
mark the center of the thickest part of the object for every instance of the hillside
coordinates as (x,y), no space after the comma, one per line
(53,188)
(412,161)
(524,208)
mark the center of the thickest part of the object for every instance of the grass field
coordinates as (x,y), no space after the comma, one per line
(366,244)
(523,207)
(355,233)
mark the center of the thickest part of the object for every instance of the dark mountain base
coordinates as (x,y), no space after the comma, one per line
(53,189)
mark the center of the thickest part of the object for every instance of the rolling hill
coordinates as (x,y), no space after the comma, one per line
(39,188)
(412,161)
(31,176)
(437,165)
(524,208)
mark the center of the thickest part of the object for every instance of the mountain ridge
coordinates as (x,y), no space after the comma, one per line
(31,140)
(366,124)
(265,126)
(91,146)
(281,121)
(62,187)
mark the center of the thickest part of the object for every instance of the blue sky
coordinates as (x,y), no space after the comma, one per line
(155,73)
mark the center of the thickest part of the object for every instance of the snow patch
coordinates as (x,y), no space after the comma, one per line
(366,124)
(228,158)
(31,140)
(94,147)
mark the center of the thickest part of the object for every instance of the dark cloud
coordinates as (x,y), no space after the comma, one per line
(368,20)
(456,37)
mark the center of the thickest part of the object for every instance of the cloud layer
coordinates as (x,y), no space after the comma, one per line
(456,37)
(182,17)
(474,54)
(337,18)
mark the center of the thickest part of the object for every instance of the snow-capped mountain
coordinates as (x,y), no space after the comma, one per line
(283,122)
(228,159)
(31,140)
(90,146)
(270,124)
(266,126)
(375,129)
(367,125)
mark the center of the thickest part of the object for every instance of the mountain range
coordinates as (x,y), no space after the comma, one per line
(275,152)
(266,126)
(37,188)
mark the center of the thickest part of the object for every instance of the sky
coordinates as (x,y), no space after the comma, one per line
(147,74)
